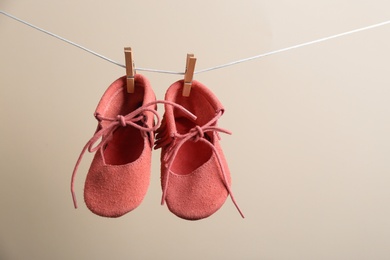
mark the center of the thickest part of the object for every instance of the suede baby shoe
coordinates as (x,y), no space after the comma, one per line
(195,177)
(119,175)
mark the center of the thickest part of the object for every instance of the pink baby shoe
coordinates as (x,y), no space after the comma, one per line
(195,177)
(119,175)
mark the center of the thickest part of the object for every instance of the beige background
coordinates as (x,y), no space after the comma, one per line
(310,148)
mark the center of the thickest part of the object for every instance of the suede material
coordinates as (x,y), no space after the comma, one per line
(202,103)
(196,187)
(114,190)
(199,194)
(116,101)
(119,175)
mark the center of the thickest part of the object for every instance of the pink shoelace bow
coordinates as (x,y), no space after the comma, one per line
(131,119)
(196,134)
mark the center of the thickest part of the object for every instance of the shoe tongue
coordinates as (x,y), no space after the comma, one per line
(201,102)
(116,101)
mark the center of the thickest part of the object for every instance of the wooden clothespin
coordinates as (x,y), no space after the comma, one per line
(130,70)
(189,74)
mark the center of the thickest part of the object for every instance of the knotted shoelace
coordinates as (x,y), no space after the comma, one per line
(197,134)
(132,119)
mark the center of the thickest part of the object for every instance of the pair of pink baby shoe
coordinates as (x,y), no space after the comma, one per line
(195,177)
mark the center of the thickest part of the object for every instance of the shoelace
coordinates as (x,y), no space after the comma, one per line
(131,119)
(196,134)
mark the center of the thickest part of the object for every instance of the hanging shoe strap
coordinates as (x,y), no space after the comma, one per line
(196,134)
(132,119)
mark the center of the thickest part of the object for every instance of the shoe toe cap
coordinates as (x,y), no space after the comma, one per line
(114,190)
(197,195)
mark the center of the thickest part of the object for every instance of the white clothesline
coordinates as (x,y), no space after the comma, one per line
(370,27)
